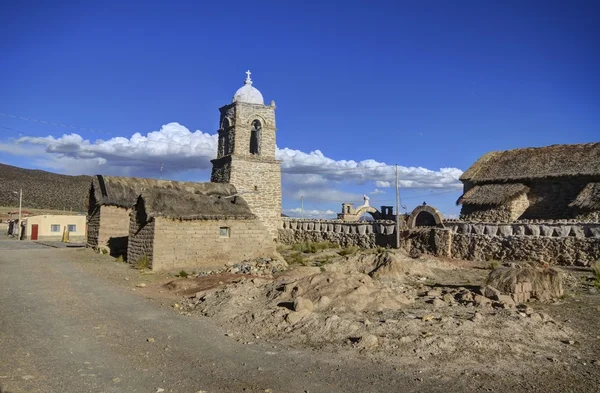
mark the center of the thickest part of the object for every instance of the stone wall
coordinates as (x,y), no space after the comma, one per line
(546,199)
(346,234)
(553,250)
(197,244)
(550,228)
(141,239)
(558,242)
(93,228)
(550,198)
(508,212)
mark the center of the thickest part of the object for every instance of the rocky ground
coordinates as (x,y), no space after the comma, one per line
(423,313)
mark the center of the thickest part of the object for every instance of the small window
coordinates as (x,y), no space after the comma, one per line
(72,228)
(54,228)
(224,232)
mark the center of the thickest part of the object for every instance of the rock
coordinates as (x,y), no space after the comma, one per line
(427,318)
(159,390)
(536,317)
(323,302)
(437,302)
(525,309)
(301,303)
(546,317)
(406,339)
(481,301)
(490,292)
(27,377)
(141,285)
(506,301)
(150,340)
(477,317)
(434,293)
(295,316)
(448,298)
(465,296)
(369,341)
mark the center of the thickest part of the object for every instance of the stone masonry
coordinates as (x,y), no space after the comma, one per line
(257,177)
(556,241)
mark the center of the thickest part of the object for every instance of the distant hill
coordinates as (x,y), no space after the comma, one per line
(43,190)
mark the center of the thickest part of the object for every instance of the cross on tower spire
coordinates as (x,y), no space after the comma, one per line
(248,80)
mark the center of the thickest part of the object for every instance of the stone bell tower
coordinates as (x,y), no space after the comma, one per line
(246,154)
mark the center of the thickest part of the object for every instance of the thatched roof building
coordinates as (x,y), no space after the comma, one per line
(553,182)
(112,197)
(174,228)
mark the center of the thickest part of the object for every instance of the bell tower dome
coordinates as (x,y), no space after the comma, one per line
(246,153)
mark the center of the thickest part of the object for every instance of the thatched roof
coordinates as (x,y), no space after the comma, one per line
(538,162)
(124,191)
(492,194)
(588,198)
(185,205)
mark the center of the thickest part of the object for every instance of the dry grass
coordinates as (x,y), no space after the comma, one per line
(313,247)
(142,263)
(546,283)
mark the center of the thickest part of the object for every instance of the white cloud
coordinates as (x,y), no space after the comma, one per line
(298,212)
(175,149)
(377,191)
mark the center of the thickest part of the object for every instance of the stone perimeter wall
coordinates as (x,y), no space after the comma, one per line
(346,234)
(559,242)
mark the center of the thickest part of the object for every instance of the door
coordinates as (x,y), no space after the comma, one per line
(34,232)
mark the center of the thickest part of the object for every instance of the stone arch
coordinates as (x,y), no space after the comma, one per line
(368,209)
(425,216)
(255,136)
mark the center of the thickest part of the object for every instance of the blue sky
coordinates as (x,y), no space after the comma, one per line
(431,85)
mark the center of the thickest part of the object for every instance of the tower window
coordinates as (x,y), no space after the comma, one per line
(255,132)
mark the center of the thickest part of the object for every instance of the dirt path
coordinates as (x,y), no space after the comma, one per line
(63,329)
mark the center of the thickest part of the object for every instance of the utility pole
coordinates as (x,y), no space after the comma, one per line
(397,210)
(301,207)
(20,212)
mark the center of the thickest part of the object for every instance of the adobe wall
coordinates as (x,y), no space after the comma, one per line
(113,229)
(198,244)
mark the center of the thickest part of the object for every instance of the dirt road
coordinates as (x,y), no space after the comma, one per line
(74,321)
(63,329)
